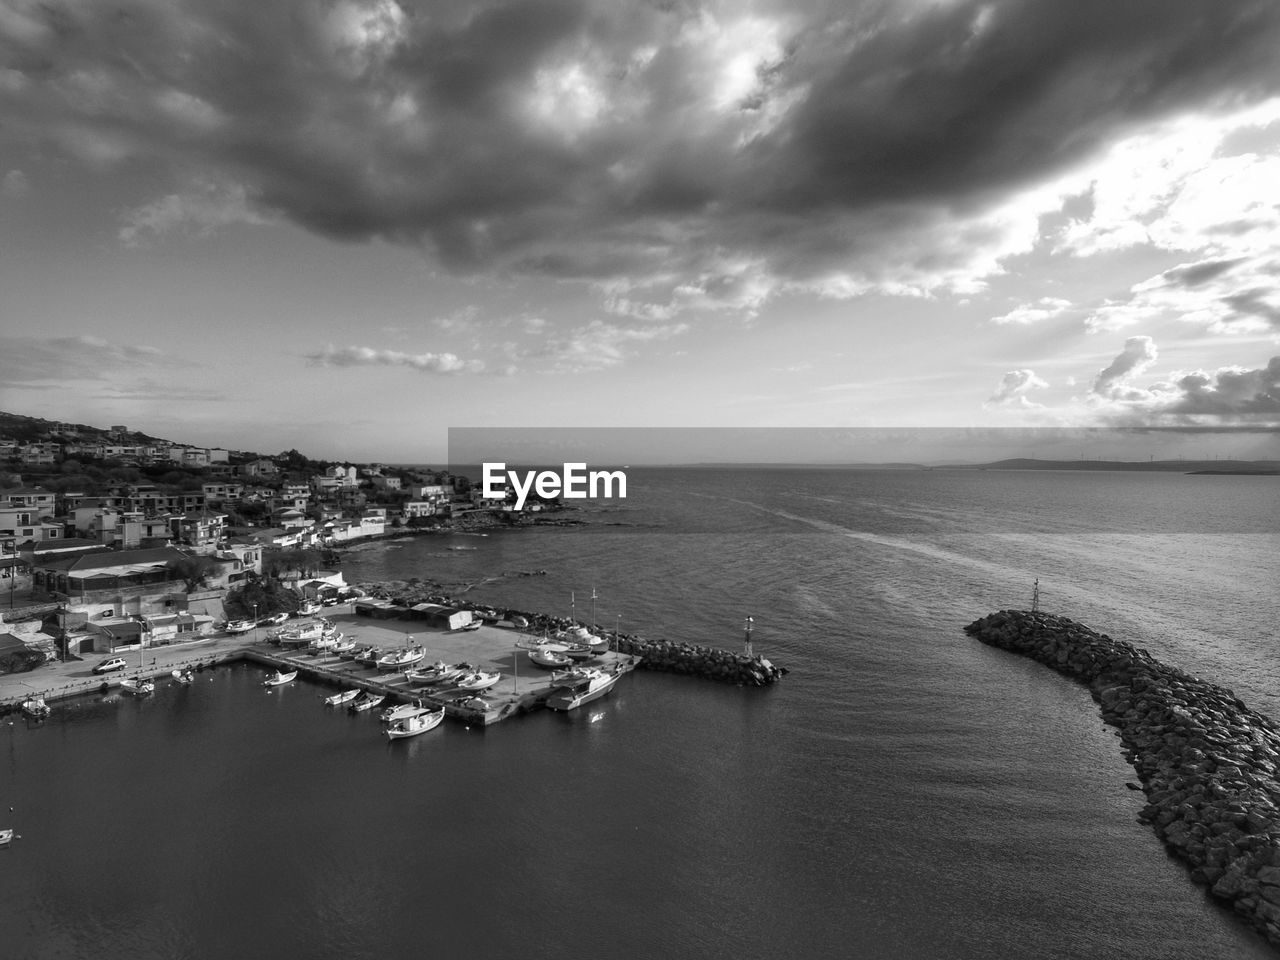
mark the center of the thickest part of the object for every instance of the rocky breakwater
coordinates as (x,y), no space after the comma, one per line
(710,663)
(1208,764)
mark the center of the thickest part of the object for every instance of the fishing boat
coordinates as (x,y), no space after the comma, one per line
(368,656)
(591,685)
(324,644)
(367,702)
(275,619)
(300,634)
(138,686)
(279,678)
(5,836)
(439,672)
(544,656)
(416,724)
(402,710)
(36,708)
(184,677)
(468,627)
(343,697)
(350,652)
(477,680)
(400,659)
(238,626)
(342,645)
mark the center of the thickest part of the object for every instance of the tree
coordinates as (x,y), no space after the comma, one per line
(193,571)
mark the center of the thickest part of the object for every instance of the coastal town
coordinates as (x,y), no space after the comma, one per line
(125,559)
(106,534)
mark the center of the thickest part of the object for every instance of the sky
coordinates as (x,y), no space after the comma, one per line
(347,226)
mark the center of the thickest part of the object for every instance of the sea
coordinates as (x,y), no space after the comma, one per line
(904,792)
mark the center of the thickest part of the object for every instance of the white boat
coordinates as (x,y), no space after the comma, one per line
(324,644)
(402,710)
(412,726)
(342,645)
(280,677)
(477,680)
(138,686)
(300,634)
(183,676)
(5,836)
(367,702)
(400,659)
(593,683)
(544,656)
(438,672)
(36,708)
(274,619)
(343,697)
(238,626)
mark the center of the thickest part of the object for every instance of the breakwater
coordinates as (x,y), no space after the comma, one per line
(710,663)
(1207,763)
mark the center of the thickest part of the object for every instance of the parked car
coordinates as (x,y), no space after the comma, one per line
(115,663)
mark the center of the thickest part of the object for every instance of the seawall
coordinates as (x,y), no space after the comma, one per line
(1207,763)
(710,663)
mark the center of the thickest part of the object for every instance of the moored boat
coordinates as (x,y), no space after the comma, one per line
(36,708)
(593,684)
(402,710)
(400,659)
(544,656)
(138,686)
(477,680)
(416,724)
(5,836)
(184,677)
(438,672)
(367,702)
(280,677)
(343,697)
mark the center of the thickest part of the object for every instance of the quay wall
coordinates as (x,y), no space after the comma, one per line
(1207,763)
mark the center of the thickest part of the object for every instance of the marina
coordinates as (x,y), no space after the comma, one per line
(480,676)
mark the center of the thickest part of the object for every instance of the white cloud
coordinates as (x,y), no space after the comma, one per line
(201,210)
(449,363)
(1013,389)
(1046,308)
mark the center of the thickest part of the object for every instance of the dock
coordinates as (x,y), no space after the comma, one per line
(524,687)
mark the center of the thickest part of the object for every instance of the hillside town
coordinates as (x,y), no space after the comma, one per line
(110,538)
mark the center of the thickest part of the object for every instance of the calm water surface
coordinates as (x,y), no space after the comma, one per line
(905,792)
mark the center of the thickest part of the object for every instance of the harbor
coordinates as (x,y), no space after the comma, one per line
(521,686)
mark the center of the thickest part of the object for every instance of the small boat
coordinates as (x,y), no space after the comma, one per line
(468,627)
(274,620)
(350,652)
(342,646)
(543,656)
(343,697)
(477,680)
(279,678)
(367,702)
(238,626)
(402,710)
(183,676)
(368,656)
(300,634)
(438,672)
(138,686)
(324,644)
(36,708)
(5,836)
(399,659)
(594,683)
(412,726)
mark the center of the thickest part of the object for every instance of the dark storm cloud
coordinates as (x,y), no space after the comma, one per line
(613,142)
(1231,392)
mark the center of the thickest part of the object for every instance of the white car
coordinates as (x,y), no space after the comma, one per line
(107,666)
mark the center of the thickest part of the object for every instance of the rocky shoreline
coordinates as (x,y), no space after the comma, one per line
(1207,763)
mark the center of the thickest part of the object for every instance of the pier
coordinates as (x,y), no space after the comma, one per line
(523,688)
(1206,762)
